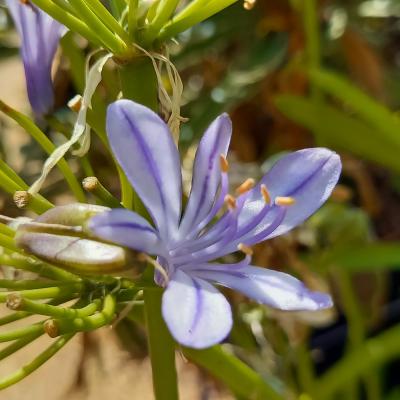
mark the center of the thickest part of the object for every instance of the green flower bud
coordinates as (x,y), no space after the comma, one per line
(59,237)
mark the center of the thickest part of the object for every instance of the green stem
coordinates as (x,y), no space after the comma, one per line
(22,314)
(107,18)
(23,304)
(193,14)
(18,344)
(12,174)
(24,122)
(27,284)
(112,42)
(164,12)
(21,332)
(94,186)
(37,203)
(162,348)
(241,379)
(305,368)
(6,230)
(56,327)
(132,13)
(69,20)
(19,261)
(371,355)
(34,364)
(45,293)
(8,242)
(356,332)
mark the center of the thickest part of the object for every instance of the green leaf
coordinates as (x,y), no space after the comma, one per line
(368,109)
(336,129)
(370,257)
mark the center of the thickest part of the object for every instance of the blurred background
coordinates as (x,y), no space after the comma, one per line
(292,74)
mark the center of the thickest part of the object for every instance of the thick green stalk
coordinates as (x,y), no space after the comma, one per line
(139,82)
(45,143)
(241,379)
(162,348)
(35,363)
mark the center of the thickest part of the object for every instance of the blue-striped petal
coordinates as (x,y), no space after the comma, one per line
(308,176)
(196,313)
(206,173)
(273,288)
(143,145)
(127,228)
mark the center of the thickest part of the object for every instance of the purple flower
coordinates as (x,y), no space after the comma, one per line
(186,246)
(40,35)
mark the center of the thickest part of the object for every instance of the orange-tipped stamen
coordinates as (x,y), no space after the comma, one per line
(248,251)
(230,201)
(265,194)
(245,186)
(284,201)
(223,162)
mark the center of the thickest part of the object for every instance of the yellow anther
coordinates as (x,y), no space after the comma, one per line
(245,186)
(249,4)
(284,201)
(230,201)
(265,194)
(223,162)
(75,103)
(245,249)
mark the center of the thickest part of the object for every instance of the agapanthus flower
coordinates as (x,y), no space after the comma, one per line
(40,35)
(189,243)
